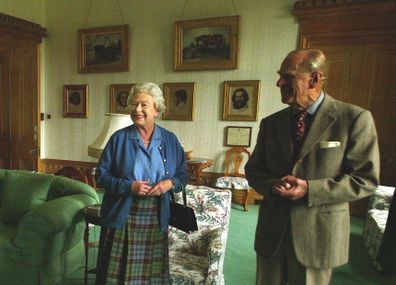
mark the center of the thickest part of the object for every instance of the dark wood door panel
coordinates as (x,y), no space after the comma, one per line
(5,136)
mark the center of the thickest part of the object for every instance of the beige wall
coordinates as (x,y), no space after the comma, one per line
(267,32)
(31,10)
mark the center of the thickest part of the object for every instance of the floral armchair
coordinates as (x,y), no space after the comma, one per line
(198,258)
(376,220)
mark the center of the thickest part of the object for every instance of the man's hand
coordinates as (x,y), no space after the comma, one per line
(291,187)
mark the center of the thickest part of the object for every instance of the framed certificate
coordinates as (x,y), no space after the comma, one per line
(238,136)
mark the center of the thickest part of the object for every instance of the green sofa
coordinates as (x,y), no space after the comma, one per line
(41,226)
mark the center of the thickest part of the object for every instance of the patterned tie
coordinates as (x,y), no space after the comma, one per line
(300,127)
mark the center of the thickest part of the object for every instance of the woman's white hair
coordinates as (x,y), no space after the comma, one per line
(151,89)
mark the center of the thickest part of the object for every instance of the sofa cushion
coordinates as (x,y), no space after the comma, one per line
(2,173)
(188,268)
(7,246)
(381,198)
(64,186)
(21,192)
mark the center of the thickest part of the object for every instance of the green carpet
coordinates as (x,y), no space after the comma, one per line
(240,260)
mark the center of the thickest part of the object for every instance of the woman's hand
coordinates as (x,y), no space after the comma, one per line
(160,188)
(140,187)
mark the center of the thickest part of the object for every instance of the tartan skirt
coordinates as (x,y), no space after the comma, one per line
(137,253)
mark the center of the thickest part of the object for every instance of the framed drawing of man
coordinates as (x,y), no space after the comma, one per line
(241,100)
(179,101)
(119,94)
(75,101)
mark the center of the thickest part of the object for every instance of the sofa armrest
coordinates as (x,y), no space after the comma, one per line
(381,198)
(216,252)
(51,218)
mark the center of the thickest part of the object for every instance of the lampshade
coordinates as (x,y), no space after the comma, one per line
(113,122)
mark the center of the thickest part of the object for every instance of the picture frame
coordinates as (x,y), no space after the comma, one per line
(238,136)
(119,94)
(179,101)
(206,44)
(241,100)
(103,49)
(75,101)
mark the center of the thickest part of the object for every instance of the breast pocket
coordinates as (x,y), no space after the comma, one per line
(330,157)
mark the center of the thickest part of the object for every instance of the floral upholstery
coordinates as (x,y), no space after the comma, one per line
(230,182)
(198,258)
(375,223)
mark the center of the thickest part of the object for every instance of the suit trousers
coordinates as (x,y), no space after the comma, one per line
(284,268)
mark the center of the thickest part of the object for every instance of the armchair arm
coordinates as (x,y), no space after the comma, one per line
(216,253)
(381,198)
(51,217)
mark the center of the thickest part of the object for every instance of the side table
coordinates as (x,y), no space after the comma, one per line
(92,216)
(195,167)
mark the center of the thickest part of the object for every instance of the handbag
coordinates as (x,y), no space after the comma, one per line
(182,217)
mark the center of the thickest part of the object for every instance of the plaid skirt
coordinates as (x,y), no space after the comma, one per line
(137,253)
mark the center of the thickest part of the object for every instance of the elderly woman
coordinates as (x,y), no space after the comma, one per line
(139,166)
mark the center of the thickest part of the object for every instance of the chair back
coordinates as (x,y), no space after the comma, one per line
(233,161)
(73,173)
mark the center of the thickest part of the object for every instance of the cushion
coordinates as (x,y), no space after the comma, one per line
(21,192)
(230,182)
(187,268)
(381,198)
(63,186)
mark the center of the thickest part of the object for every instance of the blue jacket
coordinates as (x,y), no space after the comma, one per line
(114,173)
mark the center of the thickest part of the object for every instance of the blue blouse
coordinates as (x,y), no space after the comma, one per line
(148,164)
(125,160)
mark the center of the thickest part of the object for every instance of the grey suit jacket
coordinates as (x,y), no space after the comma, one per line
(340,160)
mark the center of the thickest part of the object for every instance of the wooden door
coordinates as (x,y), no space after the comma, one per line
(5,134)
(380,74)
(19,126)
(359,40)
(365,75)
(19,93)
(24,117)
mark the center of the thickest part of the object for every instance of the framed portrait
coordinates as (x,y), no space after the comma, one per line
(238,136)
(103,49)
(179,101)
(75,101)
(241,100)
(119,94)
(206,44)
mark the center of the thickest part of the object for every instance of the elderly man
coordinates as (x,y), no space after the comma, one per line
(310,160)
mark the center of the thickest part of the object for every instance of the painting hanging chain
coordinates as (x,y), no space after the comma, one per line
(186,2)
(89,10)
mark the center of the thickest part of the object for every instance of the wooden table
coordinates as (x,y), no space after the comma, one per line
(92,216)
(195,167)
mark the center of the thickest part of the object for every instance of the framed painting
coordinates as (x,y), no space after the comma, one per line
(241,100)
(179,101)
(75,101)
(103,49)
(119,94)
(206,44)
(238,136)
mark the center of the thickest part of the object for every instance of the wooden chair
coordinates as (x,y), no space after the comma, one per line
(73,173)
(233,179)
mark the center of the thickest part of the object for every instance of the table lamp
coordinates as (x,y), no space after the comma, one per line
(113,122)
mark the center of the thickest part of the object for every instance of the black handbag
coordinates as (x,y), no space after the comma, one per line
(182,217)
